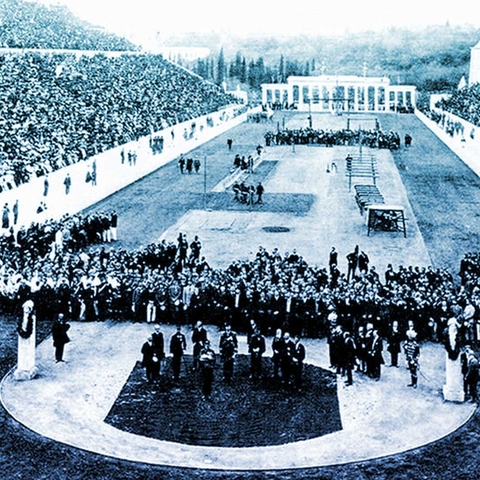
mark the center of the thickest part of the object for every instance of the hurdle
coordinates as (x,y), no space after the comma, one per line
(361,166)
(366,195)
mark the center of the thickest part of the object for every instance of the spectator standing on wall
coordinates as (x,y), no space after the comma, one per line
(46,186)
(94,173)
(15,212)
(68,183)
(6,217)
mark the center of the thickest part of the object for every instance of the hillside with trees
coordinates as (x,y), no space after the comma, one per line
(434,59)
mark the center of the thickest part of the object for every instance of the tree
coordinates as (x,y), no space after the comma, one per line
(211,69)
(307,69)
(221,68)
(281,70)
(236,67)
(243,71)
(201,68)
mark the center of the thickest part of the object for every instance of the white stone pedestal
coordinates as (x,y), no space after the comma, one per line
(26,367)
(453,390)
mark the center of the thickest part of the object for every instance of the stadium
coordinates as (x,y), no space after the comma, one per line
(147,203)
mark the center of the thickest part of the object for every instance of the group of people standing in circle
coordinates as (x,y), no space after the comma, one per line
(363,350)
(287,356)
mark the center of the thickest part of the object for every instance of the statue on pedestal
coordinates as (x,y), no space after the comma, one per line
(452,339)
(453,390)
(26,368)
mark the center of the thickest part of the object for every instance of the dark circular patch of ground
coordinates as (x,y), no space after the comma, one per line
(245,414)
(275,229)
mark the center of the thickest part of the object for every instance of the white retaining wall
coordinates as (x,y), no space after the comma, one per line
(466,147)
(112,175)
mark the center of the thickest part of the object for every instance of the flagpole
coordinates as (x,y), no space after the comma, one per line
(205,183)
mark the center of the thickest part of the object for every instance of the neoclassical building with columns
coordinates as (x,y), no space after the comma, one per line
(336,94)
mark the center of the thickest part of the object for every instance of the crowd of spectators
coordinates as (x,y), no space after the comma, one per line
(464,103)
(27,24)
(374,138)
(276,290)
(57,109)
(51,238)
(450,126)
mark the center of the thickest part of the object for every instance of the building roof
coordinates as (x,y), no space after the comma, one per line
(338,79)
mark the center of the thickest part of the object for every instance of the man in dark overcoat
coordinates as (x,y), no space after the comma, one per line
(178,344)
(60,337)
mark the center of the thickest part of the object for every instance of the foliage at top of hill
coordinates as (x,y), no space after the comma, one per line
(434,58)
(26,24)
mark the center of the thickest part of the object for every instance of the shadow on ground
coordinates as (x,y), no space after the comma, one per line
(246,413)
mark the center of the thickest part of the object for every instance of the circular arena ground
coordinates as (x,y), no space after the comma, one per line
(312,210)
(376,418)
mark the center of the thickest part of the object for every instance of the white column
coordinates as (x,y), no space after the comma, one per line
(453,389)
(26,367)
(375,89)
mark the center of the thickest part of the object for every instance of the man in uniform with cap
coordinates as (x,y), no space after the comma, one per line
(470,372)
(412,353)
(207,362)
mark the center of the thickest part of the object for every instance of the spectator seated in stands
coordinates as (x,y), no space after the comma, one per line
(465,103)
(58,109)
